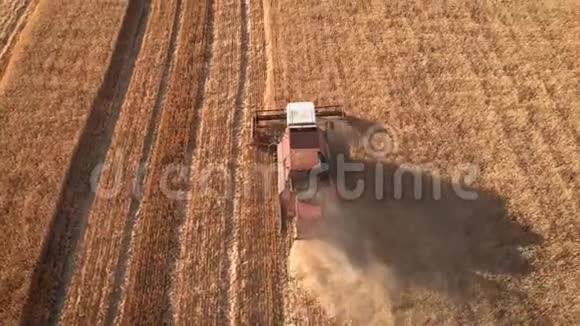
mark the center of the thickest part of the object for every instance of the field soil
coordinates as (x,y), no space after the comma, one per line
(131,193)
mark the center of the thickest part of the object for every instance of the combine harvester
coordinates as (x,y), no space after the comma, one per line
(304,160)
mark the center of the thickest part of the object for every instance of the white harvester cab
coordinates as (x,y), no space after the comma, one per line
(300,115)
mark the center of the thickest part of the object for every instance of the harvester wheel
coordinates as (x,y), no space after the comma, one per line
(283,217)
(295,233)
(329,125)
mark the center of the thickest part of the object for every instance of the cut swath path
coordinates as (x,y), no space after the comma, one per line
(50,87)
(97,285)
(152,130)
(260,276)
(146,295)
(56,264)
(232,207)
(207,235)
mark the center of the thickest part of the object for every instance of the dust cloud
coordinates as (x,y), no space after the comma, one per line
(372,260)
(344,291)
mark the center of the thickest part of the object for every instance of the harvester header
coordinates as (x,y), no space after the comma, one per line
(268,125)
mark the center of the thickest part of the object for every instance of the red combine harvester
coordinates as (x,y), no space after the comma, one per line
(303,158)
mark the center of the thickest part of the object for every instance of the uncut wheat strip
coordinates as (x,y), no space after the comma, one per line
(45,98)
(148,284)
(498,159)
(555,123)
(559,226)
(466,56)
(207,259)
(89,297)
(493,157)
(502,176)
(562,82)
(435,128)
(477,56)
(534,153)
(555,224)
(555,54)
(470,66)
(517,189)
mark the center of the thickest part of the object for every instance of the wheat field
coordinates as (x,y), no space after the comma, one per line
(131,193)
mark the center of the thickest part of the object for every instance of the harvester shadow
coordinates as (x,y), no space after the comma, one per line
(440,241)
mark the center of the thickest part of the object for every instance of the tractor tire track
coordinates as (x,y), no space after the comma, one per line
(152,130)
(183,208)
(260,275)
(232,207)
(192,147)
(56,264)
(199,96)
(22,15)
(209,234)
(147,295)
(97,284)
